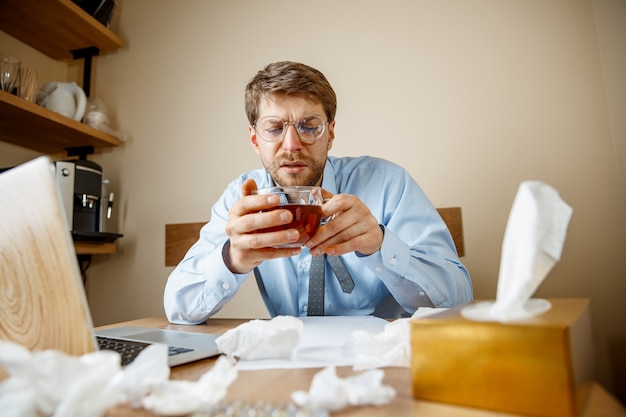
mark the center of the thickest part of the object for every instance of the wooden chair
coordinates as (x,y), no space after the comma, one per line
(178,239)
(180,236)
(453,218)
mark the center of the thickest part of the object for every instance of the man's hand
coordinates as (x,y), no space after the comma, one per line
(352,227)
(247,248)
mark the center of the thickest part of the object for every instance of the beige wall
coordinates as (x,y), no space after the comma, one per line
(472,97)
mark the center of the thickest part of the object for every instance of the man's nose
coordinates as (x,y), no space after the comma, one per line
(291,141)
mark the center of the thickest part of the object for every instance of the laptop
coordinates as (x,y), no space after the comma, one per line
(42,299)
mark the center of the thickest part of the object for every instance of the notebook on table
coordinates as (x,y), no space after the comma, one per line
(42,299)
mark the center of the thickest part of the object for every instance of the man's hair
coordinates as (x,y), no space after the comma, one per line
(290,78)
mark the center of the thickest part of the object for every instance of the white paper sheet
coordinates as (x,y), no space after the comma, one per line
(325,341)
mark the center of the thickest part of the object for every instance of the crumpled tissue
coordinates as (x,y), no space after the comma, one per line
(184,397)
(391,347)
(329,392)
(262,339)
(52,383)
(533,242)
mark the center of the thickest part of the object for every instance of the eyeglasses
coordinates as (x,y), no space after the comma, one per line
(273,129)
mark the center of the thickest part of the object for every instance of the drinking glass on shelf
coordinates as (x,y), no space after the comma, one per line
(27,87)
(9,72)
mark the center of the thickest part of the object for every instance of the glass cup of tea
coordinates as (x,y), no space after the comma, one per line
(305,204)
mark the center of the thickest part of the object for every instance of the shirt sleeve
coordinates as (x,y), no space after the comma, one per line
(416,279)
(417,262)
(201,284)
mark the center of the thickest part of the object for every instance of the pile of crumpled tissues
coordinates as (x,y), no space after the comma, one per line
(279,338)
(52,383)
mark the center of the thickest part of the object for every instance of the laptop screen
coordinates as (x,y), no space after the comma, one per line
(42,299)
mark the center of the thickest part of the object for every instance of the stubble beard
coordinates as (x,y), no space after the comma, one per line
(311,176)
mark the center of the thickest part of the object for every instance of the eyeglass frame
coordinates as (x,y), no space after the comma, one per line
(295,126)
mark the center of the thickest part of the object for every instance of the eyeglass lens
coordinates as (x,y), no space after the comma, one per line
(273,129)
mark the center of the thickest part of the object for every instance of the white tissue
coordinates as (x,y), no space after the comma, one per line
(391,347)
(147,371)
(262,339)
(52,383)
(329,392)
(533,242)
(176,398)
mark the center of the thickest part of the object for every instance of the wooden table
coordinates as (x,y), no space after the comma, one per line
(276,386)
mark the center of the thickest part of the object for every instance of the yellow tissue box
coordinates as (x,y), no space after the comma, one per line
(542,366)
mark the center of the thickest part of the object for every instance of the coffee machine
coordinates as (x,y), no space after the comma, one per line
(81,185)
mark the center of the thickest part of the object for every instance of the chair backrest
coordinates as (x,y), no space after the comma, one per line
(180,236)
(453,218)
(178,239)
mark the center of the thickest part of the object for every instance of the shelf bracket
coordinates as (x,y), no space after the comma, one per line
(87,54)
(80,151)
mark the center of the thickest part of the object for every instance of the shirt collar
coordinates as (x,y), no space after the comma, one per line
(328,182)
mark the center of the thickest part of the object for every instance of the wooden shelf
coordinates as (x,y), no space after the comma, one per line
(55,27)
(27,124)
(86,248)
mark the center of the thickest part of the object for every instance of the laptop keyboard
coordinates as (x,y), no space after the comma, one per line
(129,349)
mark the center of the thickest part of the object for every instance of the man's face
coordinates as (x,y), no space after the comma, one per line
(292,161)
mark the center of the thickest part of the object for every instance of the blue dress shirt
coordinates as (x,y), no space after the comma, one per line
(417,265)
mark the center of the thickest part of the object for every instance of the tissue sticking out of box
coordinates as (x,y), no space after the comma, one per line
(533,242)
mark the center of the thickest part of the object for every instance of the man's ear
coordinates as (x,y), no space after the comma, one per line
(253,139)
(331,135)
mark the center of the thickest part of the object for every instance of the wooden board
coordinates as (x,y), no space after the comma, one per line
(55,27)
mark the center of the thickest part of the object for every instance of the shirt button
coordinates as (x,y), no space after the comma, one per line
(393,261)
(304,265)
(379,269)
(225,285)
(422,293)
(305,308)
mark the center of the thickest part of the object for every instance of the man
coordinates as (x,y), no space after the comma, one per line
(395,252)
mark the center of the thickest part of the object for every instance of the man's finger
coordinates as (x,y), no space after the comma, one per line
(248,187)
